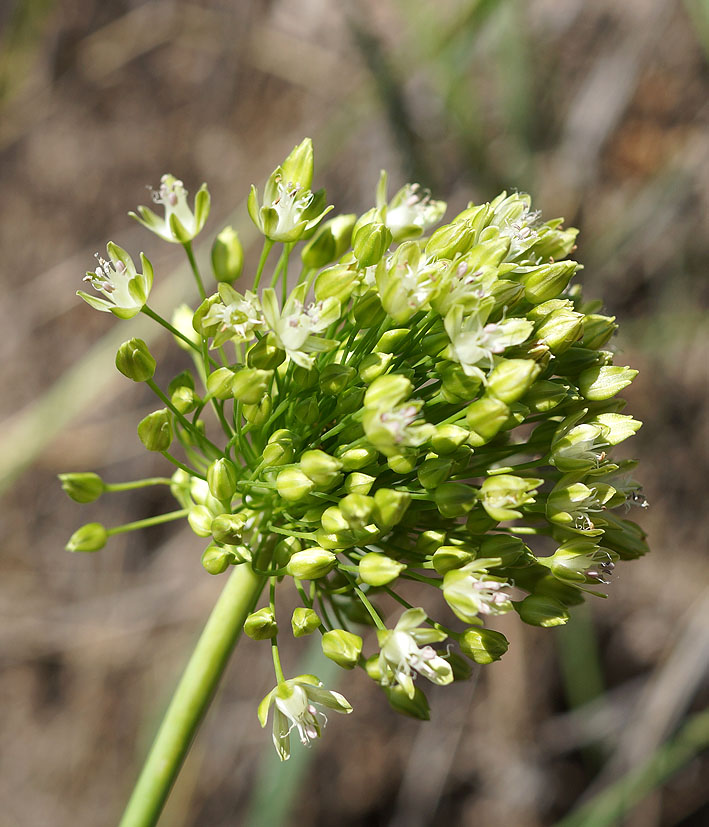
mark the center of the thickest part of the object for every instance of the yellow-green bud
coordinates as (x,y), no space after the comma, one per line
(155,431)
(485,417)
(483,645)
(265,354)
(298,166)
(334,378)
(456,386)
(261,625)
(368,311)
(259,413)
(378,569)
(597,330)
(479,522)
(90,537)
(453,499)
(293,484)
(333,520)
(547,281)
(82,487)
(390,507)
(222,478)
(250,385)
(336,282)
(433,471)
(135,361)
(402,462)
(304,621)
(320,467)
(560,330)
(450,239)
(512,378)
(357,483)
(307,411)
(387,392)
(227,256)
(429,541)
(284,550)
(358,509)
(219,383)
(374,366)
(200,519)
(544,395)
(600,383)
(370,242)
(540,610)
(329,242)
(342,647)
(399,700)
(228,528)
(504,547)
(184,399)
(446,438)
(390,340)
(447,558)
(311,563)
(353,459)
(216,559)
(277,453)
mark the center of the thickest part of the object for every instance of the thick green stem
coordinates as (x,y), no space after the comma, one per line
(192,697)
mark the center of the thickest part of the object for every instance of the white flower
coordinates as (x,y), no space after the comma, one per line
(400,653)
(235,317)
(294,707)
(294,325)
(287,209)
(581,447)
(180,224)
(580,559)
(473,342)
(411,212)
(125,289)
(470,590)
(571,504)
(406,281)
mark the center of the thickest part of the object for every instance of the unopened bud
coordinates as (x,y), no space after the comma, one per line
(320,467)
(483,645)
(265,354)
(84,487)
(222,478)
(512,378)
(329,242)
(547,281)
(370,242)
(390,507)
(261,625)
(447,558)
(227,256)
(377,569)
(334,378)
(293,484)
(311,563)
(447,438)
(453,499)
(250,385)
(416,707)
(342,647)
(135,361)
(219,383)
(90,537)
(304,621)
(228,528)
(540,610)
(600,383)
(485,418)
(155,431)
(450,239)
(216,559)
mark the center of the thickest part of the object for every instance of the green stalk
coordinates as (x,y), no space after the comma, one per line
(192,697)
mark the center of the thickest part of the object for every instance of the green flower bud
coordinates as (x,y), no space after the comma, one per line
(504,547)
(560,330)
(353,459)
(447,438)
(227,256)
(505,293)
(182,317)
(390,507)
(601,383)
(298,166)
(82,487)
(624,537)
(216,559)
(434,471)
(333,520)
(485,418)
(456,386)
(284,550)
(391,340)
(311,563)
(357,483)
(277,453)
(447,558)
(357,509)
(548,281)
(539,610)
(320,467)
(387,392)
(378,569)
(219,383)
(293,484)
(577,359)
(453,499)
(512,378)
(265,354)
(370,242)
(258,414)
(228,528)
(399,700)
(135,361)
(155,431)
(336,282)
(429,541)
(200,519)
(90,537)
(261,625)
(334,378)
(374,366)
(201,312)
(330,241)
(545,395)
(402,462)
(597,330)
(449,240)
(307,411)
(479,522)
(502,494)
(483,645)
(342,647)
(304,621)
(250,385)
(184,399)
(222,478)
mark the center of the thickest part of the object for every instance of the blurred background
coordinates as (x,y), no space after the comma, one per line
(600,111)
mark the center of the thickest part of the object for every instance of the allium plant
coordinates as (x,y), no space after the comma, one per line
(410,404)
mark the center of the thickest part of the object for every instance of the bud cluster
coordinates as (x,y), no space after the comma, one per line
(419,405)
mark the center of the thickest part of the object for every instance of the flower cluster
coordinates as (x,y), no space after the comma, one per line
(410,405)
